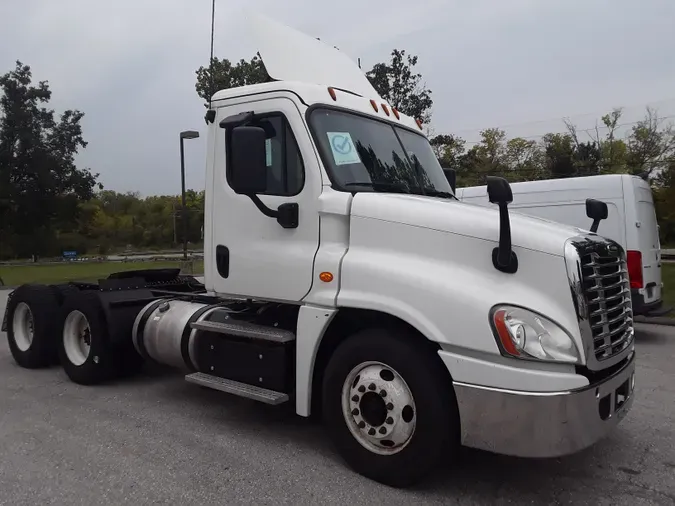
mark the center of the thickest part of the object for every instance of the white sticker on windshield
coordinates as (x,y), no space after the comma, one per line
(268,152)
(342,146)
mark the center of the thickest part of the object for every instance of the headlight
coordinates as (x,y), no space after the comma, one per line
(525,334)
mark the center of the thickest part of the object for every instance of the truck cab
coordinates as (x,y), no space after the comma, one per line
(343,275)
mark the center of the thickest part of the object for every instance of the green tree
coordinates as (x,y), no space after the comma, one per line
(40,186)
(524,157)
(399,84)
(664,201)
(559,155)
(448,149)
(222,74)
(651,145)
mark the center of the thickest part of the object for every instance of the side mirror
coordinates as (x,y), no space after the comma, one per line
(597,211)
(248,169)
(499,190)
(504,258)
(451,176)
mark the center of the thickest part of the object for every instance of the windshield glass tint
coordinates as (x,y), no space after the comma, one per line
(364,154)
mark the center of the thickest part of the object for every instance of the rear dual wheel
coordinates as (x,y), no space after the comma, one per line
(389,406)
(32,325)
(86,352)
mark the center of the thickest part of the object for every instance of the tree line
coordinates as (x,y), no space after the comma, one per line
(49,205)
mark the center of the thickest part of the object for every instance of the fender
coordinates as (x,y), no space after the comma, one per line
(313,321)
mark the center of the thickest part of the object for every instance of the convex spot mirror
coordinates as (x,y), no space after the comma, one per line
(596,209)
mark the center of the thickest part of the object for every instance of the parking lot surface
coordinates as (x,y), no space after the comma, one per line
(157,439)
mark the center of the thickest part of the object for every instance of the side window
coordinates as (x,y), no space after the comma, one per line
(285,170)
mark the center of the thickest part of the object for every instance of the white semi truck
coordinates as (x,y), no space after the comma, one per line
(342,275)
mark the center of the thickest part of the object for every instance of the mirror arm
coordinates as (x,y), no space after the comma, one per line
(270,213)
(287,215)
(504,258)
(595,225)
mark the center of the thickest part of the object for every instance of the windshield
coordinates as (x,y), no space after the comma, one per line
(365,154)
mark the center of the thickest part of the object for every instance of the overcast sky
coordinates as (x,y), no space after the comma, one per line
(129,65)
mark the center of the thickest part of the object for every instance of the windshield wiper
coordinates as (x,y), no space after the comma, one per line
(376,184)
(429,192)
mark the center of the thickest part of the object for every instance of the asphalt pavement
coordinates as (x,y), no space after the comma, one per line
(159,440)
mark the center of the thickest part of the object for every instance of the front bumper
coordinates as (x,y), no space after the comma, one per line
(544,424)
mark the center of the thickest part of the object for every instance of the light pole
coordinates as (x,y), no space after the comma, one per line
(187,134)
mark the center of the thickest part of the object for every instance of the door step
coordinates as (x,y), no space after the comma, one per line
(235,387)
(247,330)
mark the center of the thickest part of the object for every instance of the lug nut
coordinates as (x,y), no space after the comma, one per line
(371,432)
(355,412)
(362,424)
(371,386)
(362,389)
(355,398)
(389,420)
(383,393)
(390,406)
(383,430)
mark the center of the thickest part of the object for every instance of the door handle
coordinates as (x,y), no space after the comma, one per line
(223,260)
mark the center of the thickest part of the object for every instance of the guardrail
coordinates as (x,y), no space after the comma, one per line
(134,257)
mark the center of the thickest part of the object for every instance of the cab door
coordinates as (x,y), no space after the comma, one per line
(254,255)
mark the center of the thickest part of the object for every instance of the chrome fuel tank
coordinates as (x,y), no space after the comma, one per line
(162,331)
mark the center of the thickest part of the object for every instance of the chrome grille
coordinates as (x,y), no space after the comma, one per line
(607,293)
(598,278)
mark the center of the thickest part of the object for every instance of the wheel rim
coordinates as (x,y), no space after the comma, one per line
(379,408)
(77,337)
(23,326)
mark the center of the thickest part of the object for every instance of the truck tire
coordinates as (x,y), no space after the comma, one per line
(32,326)
(85,351)
(389,406)
(60,292)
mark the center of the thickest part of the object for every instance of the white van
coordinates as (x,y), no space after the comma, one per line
(631,221)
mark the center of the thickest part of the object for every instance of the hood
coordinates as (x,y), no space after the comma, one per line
(290,55)
(469,220)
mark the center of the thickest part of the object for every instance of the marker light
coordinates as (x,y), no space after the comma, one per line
(331,92)
(395,111)
(385,109)
(634,264)
(326,277)
(374,104)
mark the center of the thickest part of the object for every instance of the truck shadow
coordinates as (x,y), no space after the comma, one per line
(477,473)
(653,334)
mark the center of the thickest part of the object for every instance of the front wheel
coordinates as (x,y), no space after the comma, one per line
(389,406)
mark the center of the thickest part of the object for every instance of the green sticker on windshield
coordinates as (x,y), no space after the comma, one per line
(342,147)
(268,152)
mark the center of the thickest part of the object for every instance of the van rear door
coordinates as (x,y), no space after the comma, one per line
(648,241)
